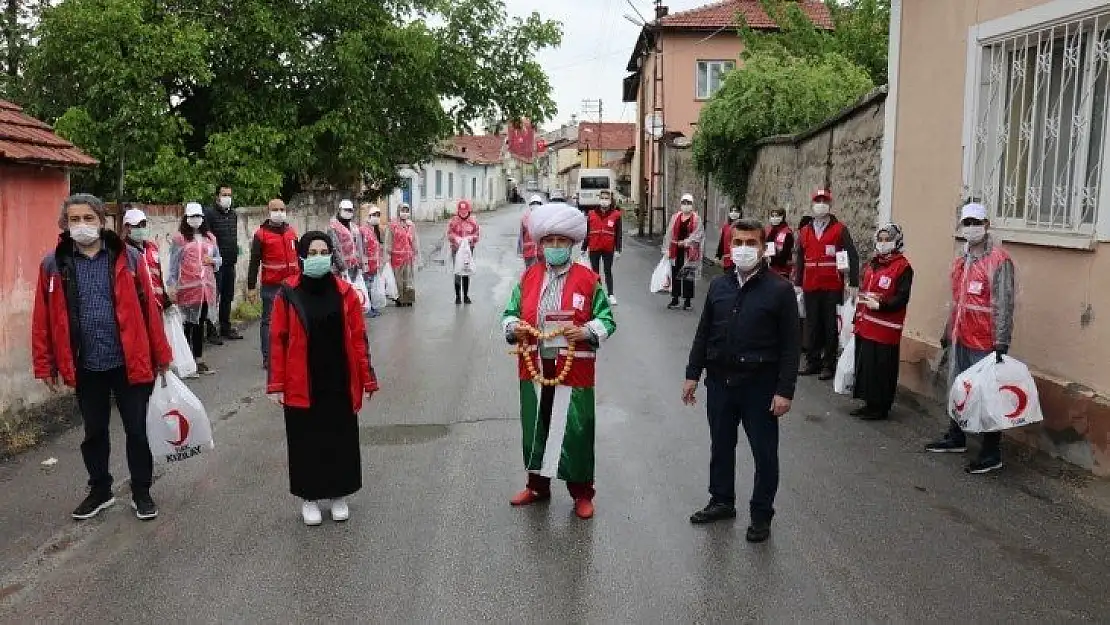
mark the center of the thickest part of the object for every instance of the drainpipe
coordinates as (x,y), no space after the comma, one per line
(890,122)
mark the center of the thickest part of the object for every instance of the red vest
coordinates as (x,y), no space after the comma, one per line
(820,266)
(777,235)
(582,282)
(154,267)
(603,230)
(371,250)
(529,250)
(403,244)
(726,245)
(196,281)
(972,320)
(279,255)
(875,325)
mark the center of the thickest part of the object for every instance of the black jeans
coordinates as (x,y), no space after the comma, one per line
(822,334)
(225,284)
(94,393)
(596,261)
(683,288)
(964,358)
(745,402)
(462,284)
(194,333)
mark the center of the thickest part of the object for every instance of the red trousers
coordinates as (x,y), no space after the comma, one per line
(578,490)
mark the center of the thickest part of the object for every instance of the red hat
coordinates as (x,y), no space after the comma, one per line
(463,206)
(822,193)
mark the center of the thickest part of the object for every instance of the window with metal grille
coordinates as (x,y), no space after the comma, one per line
(1036,154)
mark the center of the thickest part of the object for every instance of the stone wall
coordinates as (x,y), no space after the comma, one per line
(843,153)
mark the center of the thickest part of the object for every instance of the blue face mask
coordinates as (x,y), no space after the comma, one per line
(317,266)
(556,256)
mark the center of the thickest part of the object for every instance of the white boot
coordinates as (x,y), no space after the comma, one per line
(310,512)
(340,511)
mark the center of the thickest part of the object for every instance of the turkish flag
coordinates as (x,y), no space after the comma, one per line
(522,140)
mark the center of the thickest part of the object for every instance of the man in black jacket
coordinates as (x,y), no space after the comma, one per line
(747,344)
(223,220)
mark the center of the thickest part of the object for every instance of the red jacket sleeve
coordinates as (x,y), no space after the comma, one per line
(279,331)
(362,349)
(160,352)
(43,358)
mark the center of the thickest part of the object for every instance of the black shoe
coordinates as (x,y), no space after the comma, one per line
(466,300)
(145,510)
(93,505)
(877,415)
(984,465)
(458,300)
(862,411)
(673,305)
(826,374)
(687,305)
(807,371)
(947,445)
(232,334)
(214,339)
(758,531)
(713,512)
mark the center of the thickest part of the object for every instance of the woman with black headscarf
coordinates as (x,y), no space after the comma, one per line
(320,367)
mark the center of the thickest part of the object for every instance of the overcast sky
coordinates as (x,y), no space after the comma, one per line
(597,42)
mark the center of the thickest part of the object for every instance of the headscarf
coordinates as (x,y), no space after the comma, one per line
(560,219)
(895,232)
(308,238)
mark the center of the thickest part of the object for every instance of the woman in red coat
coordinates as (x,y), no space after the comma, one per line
(320,366)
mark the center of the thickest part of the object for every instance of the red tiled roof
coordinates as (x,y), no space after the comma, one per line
(483,149)
(614,135)
(24,139)
(723,14)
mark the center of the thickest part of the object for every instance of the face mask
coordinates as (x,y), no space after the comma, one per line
(465,215)
(687,208)
(606,203)
(556,256)
(277,217)
(140,234)
(884,247)
(84,234)
(317,266)
(373,221)
(776,220)
(346,214)
(745,258)
(820,210)
(194,222)
(404,216)
(733,216)
(225,201)
(975,234)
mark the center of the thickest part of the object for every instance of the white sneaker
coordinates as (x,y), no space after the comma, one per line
(612,300)
(340,511)
(310,512)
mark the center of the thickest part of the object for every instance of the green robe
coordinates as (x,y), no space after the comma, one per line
(564,446)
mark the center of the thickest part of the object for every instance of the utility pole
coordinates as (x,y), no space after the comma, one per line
(595,107)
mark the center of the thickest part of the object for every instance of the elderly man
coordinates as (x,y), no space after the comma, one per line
(557,316)
(274,251)
(97,327)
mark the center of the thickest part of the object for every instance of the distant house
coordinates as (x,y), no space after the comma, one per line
(697,48)
(463,167)
(600,143)
(34,180)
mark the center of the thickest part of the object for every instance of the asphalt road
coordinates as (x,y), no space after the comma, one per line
(869,528)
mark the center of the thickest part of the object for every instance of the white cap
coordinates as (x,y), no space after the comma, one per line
(346,204)
(974,211)
(686,197)
(194,209)
(535,199)
(134,217)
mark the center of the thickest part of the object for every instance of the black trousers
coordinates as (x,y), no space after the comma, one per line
(194,332)
(680,287)
(95,390)
(462,283)
(606,258)
(822,334)
(746,403)
(992,441)
(225,284)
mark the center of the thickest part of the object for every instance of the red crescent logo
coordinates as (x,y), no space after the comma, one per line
(967,393)
(182,426)
(1022,400)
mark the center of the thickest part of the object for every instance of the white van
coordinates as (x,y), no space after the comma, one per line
(593,181)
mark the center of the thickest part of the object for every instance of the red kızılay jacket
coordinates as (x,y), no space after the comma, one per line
(55,322)
(289,348)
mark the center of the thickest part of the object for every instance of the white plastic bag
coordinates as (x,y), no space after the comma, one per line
(846,320)
(993,396)
(177,426)
(845,380)
(377,293)
(183,363)
(661,277)
(801,297)
(363,295)
(464,258)
(389,282)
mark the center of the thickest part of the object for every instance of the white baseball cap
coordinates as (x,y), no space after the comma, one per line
(134,217)
(687,197)
(974,211)
(346,204)
(194,209)
(535,199)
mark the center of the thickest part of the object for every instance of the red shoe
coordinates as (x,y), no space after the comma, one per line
(584,508)
(528,497)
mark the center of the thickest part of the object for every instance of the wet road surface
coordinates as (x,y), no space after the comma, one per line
(869,528)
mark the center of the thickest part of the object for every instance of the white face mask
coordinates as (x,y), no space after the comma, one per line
(775,220)
(84,234)
(734,215)
(884,247)
(225,201)
(374,220)
(194,222)
(686,208)
(975,234)
(820,209)
(346,213)
(277,217)
(405,216)
(745,258)
(606,203)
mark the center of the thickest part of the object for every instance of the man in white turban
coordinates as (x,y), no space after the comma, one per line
(565,302)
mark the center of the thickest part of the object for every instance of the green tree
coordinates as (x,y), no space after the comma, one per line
(771,94)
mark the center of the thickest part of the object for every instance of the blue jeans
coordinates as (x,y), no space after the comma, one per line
(269,292)
(964,359)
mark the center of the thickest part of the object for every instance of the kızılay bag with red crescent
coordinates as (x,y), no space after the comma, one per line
(177,425)
(993,396)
